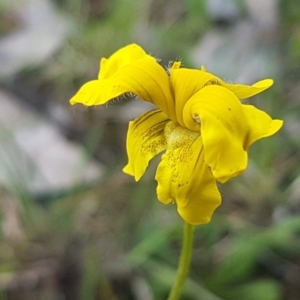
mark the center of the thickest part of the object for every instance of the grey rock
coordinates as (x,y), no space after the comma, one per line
(222,10)
(264,14)
(244,52)
(34,155)
(42,31)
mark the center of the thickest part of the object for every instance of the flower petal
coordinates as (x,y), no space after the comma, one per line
(185,83)
(261,124)
(88,93)
(224,129)
(121,58)
(184,178)
(145,139)
(246,91)
(123,74)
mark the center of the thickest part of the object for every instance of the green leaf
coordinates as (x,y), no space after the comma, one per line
(263,289)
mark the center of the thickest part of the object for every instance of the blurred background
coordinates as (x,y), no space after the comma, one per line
(72,225)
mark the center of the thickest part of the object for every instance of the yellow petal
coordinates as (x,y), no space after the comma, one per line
(185,83)
(129,70)
(121,58)
(145,139)
(224,129)
(246,91)
(184,178)
(88,93)
(261,124)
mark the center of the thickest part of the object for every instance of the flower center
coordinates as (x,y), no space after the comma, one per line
(178,136)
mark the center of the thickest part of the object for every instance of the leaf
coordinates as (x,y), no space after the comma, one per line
(263,289)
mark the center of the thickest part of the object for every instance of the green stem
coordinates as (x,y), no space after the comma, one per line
(184,262)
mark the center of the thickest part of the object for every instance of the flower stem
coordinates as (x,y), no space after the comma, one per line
(184,262)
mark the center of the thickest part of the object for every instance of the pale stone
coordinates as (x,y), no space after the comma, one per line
(35,156)
(41,33)
(243,52)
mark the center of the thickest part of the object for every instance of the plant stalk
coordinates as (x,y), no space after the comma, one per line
(184,262)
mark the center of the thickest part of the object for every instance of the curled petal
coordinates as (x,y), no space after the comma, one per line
(246,91)
(145,139)
(184,178)
(261,124)
(129,70)
(224,130)
(185,83)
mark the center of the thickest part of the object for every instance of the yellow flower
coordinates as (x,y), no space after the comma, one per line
(200,123)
